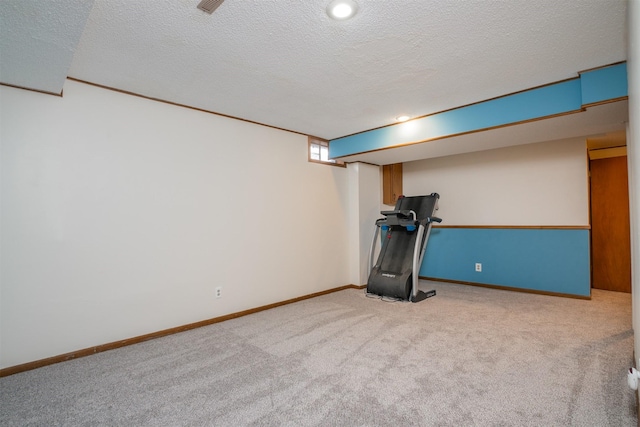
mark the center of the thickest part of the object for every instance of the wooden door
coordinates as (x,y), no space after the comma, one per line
(610,234)
(391,183)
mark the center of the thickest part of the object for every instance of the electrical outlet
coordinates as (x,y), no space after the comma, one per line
(219,292)
(478,267)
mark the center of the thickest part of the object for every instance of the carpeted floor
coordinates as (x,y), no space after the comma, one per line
(467,357)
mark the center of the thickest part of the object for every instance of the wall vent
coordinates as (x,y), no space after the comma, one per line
(209,6)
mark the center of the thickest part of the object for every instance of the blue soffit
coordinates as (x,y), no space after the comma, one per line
(597,86)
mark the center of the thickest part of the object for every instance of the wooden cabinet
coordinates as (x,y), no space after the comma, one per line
(391,183)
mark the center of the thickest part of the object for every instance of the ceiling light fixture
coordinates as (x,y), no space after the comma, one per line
(402,118)
(342,9)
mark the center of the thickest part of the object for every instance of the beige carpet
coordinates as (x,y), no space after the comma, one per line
(467,357)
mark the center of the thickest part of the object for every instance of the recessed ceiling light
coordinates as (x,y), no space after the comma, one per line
(342,9)
(402,118)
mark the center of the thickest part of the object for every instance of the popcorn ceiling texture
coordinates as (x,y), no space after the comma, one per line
(285,63)
(37,41)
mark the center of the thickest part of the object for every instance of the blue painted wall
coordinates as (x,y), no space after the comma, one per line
(570,96)
(550,260)
(604,84)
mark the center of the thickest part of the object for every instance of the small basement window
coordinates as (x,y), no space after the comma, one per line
(319,152)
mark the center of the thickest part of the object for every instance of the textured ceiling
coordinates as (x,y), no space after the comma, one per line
(38,40)
(286,64)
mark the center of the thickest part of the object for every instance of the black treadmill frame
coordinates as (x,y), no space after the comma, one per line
(409,227)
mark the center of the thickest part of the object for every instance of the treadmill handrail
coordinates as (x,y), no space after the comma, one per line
(403,218)
(403,212)
(373,248)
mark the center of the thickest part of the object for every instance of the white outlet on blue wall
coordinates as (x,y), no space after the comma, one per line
(478,266)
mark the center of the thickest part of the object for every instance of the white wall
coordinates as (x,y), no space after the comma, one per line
(534,184)
(633,159)
(121,215)
(364,201)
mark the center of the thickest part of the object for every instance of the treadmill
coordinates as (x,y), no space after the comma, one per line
(406,233)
